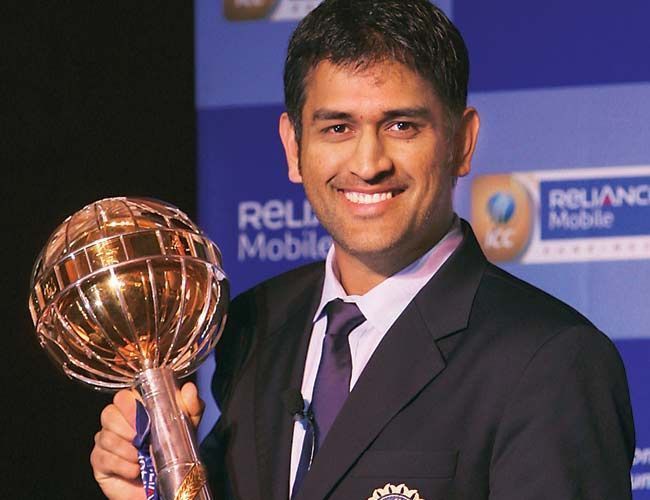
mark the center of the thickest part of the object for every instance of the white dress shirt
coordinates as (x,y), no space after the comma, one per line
(381,306)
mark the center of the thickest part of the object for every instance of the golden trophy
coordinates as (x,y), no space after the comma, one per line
(129,292)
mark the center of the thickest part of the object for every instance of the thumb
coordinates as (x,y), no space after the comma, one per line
(192,403)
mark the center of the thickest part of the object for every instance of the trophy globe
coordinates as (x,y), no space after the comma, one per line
(129,292)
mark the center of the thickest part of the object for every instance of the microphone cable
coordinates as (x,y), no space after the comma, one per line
(294,403)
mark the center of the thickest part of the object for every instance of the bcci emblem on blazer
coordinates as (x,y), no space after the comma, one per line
(501,216)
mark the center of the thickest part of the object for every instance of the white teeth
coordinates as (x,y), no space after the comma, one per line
(367,199)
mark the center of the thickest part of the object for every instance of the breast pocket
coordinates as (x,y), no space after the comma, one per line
(406,464)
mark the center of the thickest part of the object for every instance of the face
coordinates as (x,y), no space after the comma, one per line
(378,161)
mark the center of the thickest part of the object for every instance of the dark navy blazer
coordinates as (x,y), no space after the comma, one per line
(485,387)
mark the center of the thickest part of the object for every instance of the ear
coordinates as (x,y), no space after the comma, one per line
(291,150)
(465,140)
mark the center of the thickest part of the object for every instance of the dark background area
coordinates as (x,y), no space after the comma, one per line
(100,103)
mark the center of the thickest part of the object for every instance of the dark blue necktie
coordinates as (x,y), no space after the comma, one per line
(332,384)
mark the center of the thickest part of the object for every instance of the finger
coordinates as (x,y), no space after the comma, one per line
(193,405)
(116,488)
(113,443)
(113,420)
(106,464)
(125,402)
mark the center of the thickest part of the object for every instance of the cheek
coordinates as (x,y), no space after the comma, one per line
(418,157)
(317,168)
(434,183)
(313,181)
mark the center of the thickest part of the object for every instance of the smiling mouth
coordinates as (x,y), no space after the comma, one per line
(368,198)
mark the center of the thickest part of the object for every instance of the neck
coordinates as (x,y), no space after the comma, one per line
(356,276)
(359,273)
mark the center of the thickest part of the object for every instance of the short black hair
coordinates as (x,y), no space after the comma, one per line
(359,33)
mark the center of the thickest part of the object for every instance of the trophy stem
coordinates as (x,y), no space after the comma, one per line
(180,474)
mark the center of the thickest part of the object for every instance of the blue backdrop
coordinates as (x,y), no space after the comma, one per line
(563,90)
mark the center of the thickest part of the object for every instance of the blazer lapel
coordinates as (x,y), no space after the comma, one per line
(280,366)
(394,375)
(406,360)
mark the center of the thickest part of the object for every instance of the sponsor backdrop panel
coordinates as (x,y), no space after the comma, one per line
(574,137)
(560,190)
(240,48)
(571,135)
(636,354)
(558,43)
(238,62)
(262,222)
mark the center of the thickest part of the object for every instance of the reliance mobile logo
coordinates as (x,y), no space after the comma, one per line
(569,215)
(598,197)
(501,216)
(595,207)
(279,230)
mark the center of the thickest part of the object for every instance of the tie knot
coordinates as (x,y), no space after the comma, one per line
(342,317)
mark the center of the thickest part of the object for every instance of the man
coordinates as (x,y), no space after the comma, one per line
(463,381)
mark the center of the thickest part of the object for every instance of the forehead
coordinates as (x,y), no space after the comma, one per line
(379,86)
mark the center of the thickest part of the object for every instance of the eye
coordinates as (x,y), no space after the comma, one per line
(402,126)
(403,129)
(339,128)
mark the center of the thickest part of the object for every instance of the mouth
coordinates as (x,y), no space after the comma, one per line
(360,198)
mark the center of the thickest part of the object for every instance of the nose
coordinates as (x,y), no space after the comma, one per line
(370,159)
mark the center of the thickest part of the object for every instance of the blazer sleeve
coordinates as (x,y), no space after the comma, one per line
(231,353)
(567,432)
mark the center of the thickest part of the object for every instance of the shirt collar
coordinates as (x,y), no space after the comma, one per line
(383,304)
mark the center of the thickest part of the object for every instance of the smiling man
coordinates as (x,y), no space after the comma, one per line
(419,369)
(378,159)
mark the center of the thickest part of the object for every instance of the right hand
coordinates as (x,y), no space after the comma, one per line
(114,459)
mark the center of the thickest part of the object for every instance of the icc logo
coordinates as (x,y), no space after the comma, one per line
(274,10)
(501,208)
(244,10)
(501,216)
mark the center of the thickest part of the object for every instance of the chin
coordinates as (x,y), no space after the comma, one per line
(371,248)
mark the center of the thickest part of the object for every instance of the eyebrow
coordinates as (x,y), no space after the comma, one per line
(324,114)
(418,112)
(328,114)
